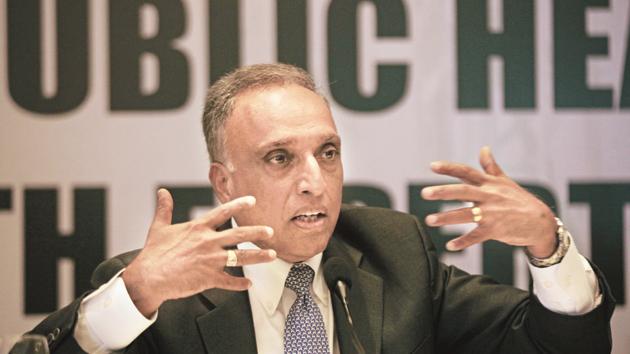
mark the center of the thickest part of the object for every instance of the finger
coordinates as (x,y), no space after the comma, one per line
(164,208)
(229,282)
(466,240)
(463,192)
(451,217)
(221,214)
(488,163)
(244,234)
(251,256)
(464,172)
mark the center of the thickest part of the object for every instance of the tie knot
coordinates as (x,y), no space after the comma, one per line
(300,278)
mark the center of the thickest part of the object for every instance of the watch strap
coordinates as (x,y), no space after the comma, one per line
(563,244)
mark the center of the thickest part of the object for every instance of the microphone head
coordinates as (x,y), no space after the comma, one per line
(338,269)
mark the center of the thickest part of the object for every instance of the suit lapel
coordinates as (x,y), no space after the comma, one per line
(229,327)
(365,303)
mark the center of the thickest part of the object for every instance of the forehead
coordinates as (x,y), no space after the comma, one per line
(279,113)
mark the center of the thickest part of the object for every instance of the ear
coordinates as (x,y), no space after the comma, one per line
(221,179)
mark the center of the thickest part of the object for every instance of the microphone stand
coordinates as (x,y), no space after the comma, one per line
(342,294)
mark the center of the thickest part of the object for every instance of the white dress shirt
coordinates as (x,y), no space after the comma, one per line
(108,319)
(271,301)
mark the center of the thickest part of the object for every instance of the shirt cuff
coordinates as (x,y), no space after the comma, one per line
(108,320)
(569,287)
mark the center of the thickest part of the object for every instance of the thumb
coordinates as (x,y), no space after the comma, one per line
(164,208)
(487,162)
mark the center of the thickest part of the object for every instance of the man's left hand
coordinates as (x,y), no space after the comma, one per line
(509,213)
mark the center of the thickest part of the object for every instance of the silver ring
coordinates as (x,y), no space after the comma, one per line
(476,212)
(231,259)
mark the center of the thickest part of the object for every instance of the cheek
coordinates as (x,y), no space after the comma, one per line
(334,181)
(255,184)
(272,198)
(273,192)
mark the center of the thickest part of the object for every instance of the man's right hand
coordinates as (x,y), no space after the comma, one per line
(184,259)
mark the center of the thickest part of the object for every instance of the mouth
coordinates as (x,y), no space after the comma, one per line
(309,219)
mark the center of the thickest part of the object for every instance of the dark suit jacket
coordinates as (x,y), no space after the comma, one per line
(403,300)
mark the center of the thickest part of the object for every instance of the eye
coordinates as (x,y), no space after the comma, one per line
(330,153)
(278,157)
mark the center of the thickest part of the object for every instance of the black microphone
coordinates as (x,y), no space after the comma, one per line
(339,275)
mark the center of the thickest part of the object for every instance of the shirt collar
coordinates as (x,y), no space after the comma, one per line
(268,279)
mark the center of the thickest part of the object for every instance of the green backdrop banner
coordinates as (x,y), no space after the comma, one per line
(101,102)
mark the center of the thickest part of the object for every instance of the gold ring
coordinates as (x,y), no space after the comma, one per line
(231,259)
(476,211)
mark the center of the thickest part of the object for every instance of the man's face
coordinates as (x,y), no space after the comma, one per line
(282,147)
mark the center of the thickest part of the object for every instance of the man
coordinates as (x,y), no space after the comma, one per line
(277,171)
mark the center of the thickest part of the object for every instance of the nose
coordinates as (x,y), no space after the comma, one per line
(311,180)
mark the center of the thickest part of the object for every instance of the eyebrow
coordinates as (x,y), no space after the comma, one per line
(334,138)
(278,143)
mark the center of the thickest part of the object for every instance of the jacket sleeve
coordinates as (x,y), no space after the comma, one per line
(475,314)
(58,327)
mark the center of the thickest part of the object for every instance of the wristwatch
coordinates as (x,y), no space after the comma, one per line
(563,238)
